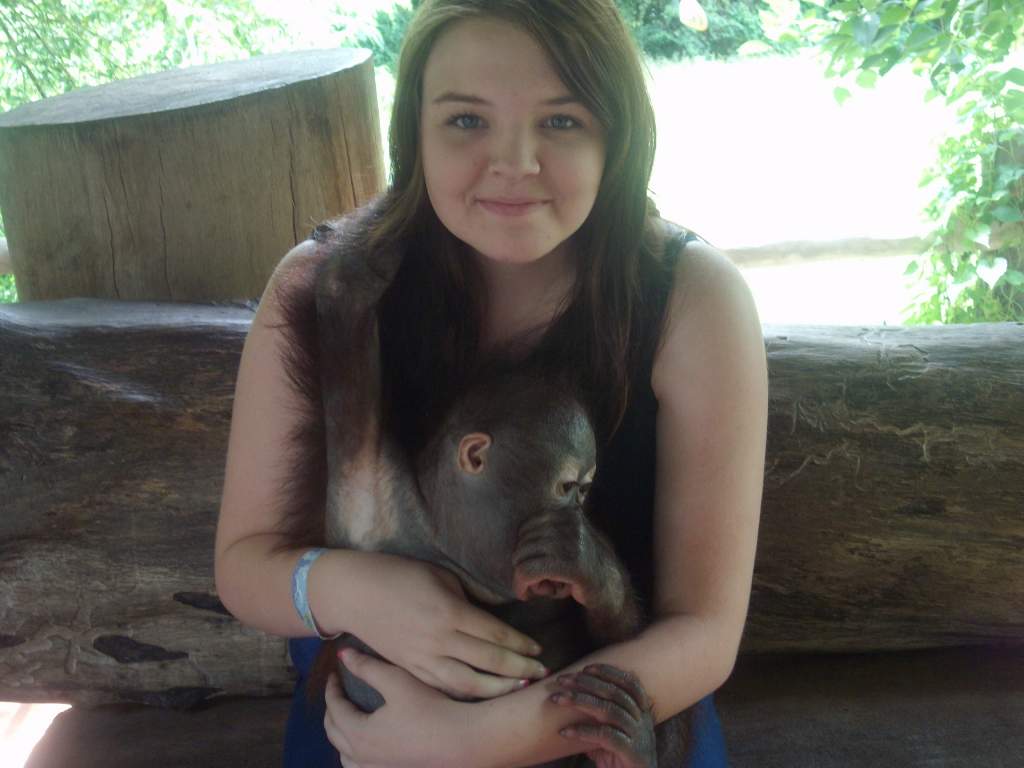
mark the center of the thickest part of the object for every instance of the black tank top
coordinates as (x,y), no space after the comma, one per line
(622,496)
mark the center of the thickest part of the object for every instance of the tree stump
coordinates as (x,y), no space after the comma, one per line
(186,185)
(892,515)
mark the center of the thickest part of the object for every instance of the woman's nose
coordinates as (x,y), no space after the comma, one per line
(515,154)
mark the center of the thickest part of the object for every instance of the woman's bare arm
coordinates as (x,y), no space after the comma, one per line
(412,613)
(253,576)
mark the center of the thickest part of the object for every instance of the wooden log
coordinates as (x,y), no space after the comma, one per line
(892,514)
(114,417)
(188,184)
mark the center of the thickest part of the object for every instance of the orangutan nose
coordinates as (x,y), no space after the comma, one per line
(529,587)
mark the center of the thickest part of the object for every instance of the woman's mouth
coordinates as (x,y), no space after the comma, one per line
(511,208)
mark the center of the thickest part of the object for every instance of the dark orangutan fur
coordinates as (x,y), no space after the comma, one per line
(324,354)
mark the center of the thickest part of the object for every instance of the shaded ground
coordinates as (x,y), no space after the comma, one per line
(928,708)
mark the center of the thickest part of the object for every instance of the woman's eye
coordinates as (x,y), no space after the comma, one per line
(465,122)
(564,122)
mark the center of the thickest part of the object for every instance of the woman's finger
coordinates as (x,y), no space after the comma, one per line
(480,624)
(494,659)
(461,681)
(339,715)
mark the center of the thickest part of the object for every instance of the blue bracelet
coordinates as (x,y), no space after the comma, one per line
(299,594)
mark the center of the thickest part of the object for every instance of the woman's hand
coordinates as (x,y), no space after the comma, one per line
(416,616)
(416,726)
(618,730)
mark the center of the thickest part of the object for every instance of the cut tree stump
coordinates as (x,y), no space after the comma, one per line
(186,185)
(892,514)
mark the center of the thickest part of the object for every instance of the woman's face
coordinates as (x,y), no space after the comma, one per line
(498,126)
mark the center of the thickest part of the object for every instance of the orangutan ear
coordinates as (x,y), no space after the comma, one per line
(473,452)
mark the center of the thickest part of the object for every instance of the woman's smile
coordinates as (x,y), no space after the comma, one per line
(512,209)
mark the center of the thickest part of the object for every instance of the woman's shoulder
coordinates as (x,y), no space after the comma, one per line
(698,266)
(671,238)
(337,236)
(710,306)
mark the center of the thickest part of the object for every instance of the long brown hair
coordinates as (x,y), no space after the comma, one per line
(430,317)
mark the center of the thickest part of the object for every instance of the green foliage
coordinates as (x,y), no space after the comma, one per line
(655,25)
(49,47)
(8,293)
(973,270)
(385,38)
(52,46)
(660,34)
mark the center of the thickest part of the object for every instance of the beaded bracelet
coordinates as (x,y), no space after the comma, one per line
(300,597)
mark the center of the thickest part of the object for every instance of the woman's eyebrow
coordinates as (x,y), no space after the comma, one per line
(464,98)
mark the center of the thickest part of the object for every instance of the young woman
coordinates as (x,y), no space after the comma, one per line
(522,141)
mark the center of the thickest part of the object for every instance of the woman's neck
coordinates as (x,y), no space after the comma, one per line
(523,299)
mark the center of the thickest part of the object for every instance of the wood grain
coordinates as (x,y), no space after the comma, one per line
(188,184)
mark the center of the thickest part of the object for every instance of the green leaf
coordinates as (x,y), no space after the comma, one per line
(1013,102)
(920,36)
(1015,76)
(1008,214)
(840,94)
(894,14)
(929,10)
(994,23)
(867,78)
(865,29)
(1014,278)
(912,267)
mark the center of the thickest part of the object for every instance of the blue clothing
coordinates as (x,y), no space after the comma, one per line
(621,503)
(306,744)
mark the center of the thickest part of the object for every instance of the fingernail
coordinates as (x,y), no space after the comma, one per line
(568,732)
(556,697)
(536,650)
(523,683)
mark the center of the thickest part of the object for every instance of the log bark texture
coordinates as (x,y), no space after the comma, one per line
(187,185)
(892,515)
(114,419)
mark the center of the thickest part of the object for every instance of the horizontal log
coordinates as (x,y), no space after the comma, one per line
(892,514)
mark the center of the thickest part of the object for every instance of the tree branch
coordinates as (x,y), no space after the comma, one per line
(20,62)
